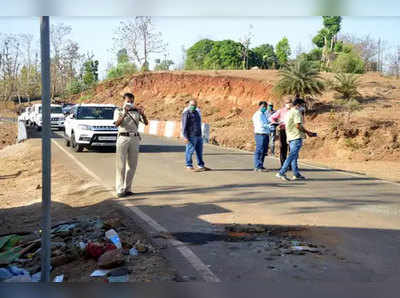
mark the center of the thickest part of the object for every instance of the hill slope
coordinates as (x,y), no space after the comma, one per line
(366,140)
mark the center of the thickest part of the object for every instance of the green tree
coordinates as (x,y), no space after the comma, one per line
(326,38)
(75,86)
(123,67)
(225,54)
(348,63)
(29,81)
(300,78)
(283,51)
(90,72)
(265,56)
(197,53)
(163,65)
(122,56)
(121,70)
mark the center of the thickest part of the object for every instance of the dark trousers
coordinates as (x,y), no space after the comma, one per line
(262,141)
(283,146)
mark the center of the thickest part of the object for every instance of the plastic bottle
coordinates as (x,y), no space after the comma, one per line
(114,238)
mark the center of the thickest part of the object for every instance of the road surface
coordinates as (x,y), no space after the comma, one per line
(355,217)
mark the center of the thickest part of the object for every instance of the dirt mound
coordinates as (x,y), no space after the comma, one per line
(8,134)
(229,98)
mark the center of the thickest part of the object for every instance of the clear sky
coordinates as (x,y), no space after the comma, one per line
(94,34)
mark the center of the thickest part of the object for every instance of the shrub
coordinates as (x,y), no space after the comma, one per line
(348,63)
(346,85)
(300,77)
(74,87)
(121,69)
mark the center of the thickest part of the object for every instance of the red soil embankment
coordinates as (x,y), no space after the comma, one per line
(229,98)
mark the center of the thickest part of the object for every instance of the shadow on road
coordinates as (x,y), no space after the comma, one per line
(229,153)
(350,254)
(33,133)
(161,148)
(365,254)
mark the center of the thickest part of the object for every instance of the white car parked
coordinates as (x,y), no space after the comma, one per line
(56,116)
(25,115)
(90,125)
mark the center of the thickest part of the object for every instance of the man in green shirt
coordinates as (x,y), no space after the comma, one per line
(295,133)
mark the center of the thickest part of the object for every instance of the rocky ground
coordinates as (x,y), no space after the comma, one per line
(82,213)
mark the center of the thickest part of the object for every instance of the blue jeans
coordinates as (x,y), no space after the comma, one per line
(195,144)
(262,142)
(294,146)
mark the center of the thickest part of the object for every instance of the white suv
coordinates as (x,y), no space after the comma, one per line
(90,125)
(56,116)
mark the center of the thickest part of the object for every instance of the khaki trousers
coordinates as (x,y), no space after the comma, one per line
(126,162)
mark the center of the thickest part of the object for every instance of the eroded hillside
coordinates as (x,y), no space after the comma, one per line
(365,140)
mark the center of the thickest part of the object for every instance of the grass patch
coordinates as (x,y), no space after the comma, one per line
(351,144)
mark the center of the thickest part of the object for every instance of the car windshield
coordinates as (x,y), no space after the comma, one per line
(104,113)
(56,110)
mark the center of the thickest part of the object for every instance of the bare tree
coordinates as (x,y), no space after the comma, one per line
(299,50)
(246,41)
(71,60)
(140,39)
(58,35)
(29,77)
(181,64)
(370,49)
(394,62)
(10,52)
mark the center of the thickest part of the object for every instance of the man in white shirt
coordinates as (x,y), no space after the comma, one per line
(261,131)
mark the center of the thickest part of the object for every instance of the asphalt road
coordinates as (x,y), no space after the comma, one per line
(357,218)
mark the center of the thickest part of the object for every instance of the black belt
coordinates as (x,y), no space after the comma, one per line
(128,134)
(262,134)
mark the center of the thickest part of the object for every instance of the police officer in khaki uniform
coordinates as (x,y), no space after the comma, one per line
(127,120)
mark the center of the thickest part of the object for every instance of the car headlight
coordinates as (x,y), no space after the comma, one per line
(85,127)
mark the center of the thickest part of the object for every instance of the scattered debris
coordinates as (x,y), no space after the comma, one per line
(111,259)
(133,252)
(305,248)
(140,247)
(100,272)
(59,278)
(119,272)
(78,239)
(95,250)
(123,278)
(114,238)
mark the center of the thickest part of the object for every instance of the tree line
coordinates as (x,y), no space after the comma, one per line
(20,65)
(136,41)
(332,52)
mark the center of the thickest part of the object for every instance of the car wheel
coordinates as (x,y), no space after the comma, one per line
(76,147)
(66,140)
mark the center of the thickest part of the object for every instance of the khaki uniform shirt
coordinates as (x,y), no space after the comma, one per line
(128,124)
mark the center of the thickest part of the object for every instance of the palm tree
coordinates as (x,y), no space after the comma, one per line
(300,78)
(346,85)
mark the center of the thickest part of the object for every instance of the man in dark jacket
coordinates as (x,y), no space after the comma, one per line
(191,129)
